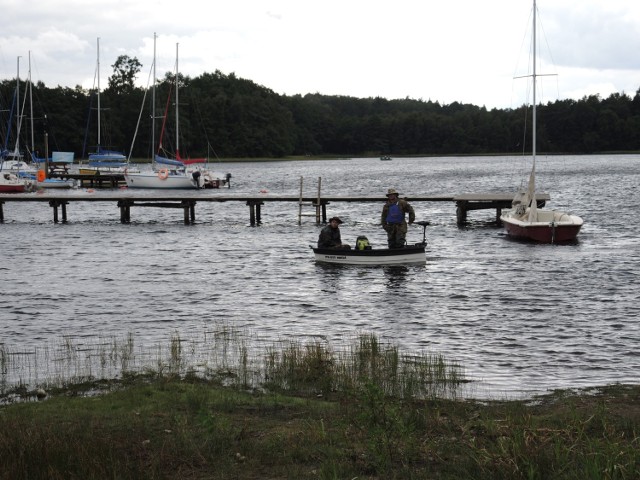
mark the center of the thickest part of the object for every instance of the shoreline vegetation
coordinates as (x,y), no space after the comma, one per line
(365,411)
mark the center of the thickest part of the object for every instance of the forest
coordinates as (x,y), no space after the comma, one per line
(223,117)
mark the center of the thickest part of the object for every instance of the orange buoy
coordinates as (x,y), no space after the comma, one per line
(163,173)
(41,176)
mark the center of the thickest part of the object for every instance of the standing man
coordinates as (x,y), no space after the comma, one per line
(393,219)
(330,235)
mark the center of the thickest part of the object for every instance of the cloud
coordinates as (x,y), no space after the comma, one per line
(459,50)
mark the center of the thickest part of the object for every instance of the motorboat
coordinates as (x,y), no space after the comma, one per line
(369,256)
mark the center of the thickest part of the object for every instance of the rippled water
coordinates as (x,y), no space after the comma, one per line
(520,318)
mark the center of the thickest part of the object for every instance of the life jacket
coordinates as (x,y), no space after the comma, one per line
(395,214)
(362,243)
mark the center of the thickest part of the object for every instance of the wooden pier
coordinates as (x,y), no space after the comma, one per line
(126,199)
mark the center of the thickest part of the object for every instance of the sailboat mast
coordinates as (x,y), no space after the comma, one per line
(177,109)
(19,111)
(98,73)
(153,102)
(533,139)
(33,141)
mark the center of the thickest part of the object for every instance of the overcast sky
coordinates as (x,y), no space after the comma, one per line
(447,51)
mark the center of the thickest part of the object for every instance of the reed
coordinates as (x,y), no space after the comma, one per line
(222,355)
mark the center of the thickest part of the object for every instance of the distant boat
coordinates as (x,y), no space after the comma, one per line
(385,157)
(525,220)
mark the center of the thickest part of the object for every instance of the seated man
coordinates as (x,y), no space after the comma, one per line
(330,235)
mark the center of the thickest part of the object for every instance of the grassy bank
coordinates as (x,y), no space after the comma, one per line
(372,414)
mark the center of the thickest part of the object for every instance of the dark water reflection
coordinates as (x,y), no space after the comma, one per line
(519,317)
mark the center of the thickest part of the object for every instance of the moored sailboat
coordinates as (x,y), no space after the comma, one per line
(525,220)
(173,173)
(103,160)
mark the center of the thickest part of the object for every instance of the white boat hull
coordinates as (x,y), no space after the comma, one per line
(173,180)
(382,256)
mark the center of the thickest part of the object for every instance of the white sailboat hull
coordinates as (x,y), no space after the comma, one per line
(173,180)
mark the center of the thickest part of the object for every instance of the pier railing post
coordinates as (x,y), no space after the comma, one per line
(300,202)
(319,206)
(318,202)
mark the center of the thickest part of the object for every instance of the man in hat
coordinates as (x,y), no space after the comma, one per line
(330,235)
(393,219)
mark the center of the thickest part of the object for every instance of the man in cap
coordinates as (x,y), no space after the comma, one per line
(393,219)
(330,235)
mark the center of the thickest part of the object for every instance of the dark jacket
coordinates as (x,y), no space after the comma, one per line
(329,237)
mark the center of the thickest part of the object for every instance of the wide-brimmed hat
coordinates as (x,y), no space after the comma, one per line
(336,219)
(392,191)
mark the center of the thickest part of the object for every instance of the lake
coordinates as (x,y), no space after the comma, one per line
(521,318)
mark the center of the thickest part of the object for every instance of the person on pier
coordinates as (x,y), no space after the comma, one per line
(330,236)
(393,219)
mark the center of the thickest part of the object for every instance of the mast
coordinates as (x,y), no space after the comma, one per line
(98,73)
(533,210)
(153,103)
(19,112)
(177,112)
(533,139)
(33,142)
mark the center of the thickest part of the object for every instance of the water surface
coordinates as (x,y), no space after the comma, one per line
(521,318)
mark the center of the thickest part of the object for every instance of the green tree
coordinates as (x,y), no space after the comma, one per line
(125,70)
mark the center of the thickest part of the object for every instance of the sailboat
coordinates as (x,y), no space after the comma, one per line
(525,220)
(12,165)
(170,173)
(103,160)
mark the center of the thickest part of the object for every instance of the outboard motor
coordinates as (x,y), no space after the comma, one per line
(197,179)
(228,178)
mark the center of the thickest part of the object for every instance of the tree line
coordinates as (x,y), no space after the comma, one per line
(225,116)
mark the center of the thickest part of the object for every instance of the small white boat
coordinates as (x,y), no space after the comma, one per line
(410,254)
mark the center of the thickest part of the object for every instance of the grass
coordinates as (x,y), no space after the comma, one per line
(366,412)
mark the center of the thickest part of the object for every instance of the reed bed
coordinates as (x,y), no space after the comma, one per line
(224,356)
(297,410)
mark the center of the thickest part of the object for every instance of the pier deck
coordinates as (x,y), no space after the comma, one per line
(186,200)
